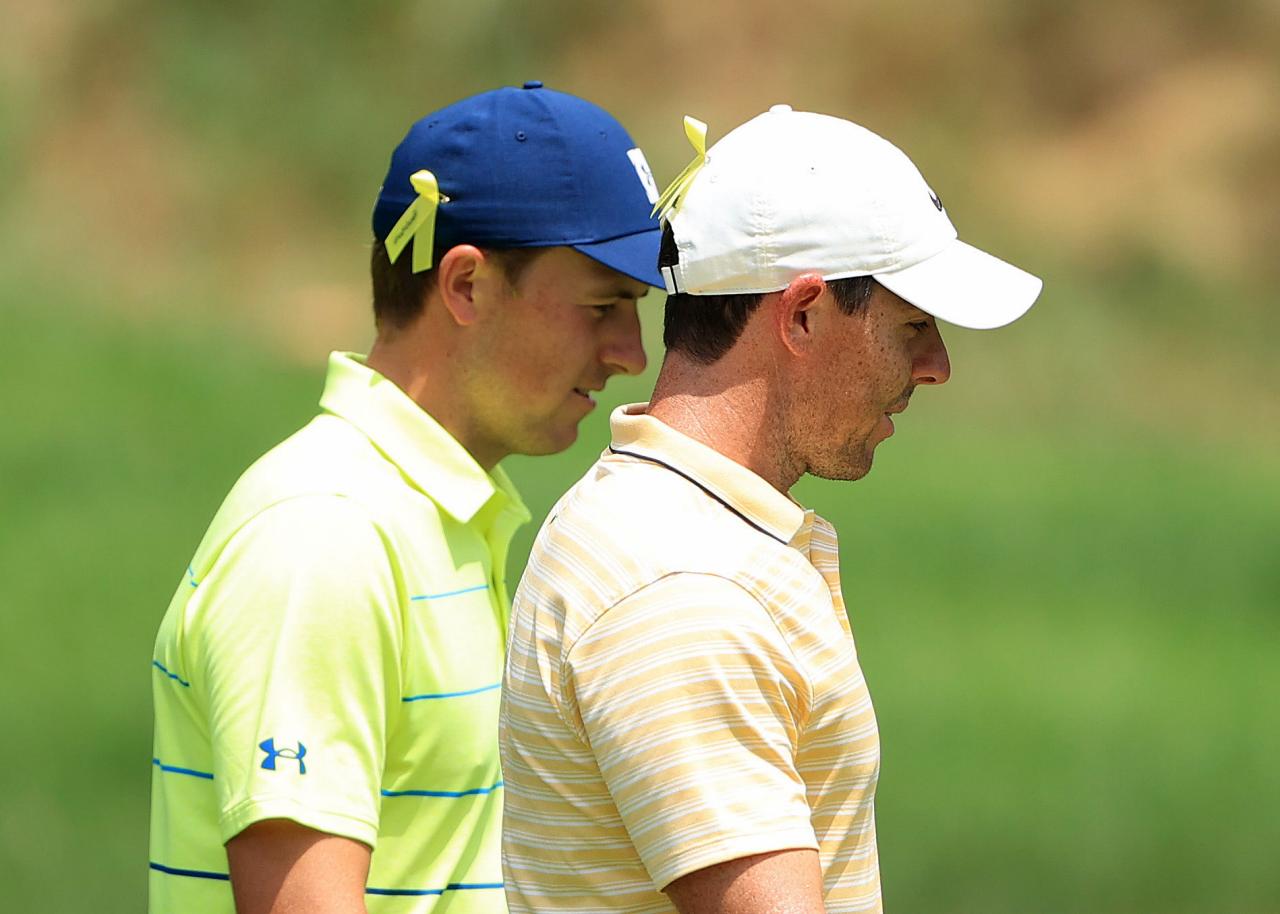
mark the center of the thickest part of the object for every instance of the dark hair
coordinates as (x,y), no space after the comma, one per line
(398,292)
(705,327)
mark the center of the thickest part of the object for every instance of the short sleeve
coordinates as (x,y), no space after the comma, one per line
(692,704)
(294,638)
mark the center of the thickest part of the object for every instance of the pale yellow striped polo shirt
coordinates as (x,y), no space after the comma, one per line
(681,687)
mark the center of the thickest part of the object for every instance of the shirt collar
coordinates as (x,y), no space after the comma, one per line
(742,491)
(431,458)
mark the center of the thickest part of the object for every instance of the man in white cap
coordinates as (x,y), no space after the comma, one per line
(683,706)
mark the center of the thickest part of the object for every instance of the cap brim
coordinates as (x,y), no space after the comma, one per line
(965,286)
(634,255)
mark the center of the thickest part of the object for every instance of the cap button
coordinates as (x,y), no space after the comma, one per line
(780,108)
(533,84)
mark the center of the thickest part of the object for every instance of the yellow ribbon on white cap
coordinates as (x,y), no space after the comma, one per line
(418,222)
(673,196)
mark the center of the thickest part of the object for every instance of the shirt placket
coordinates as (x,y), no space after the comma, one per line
(824,555)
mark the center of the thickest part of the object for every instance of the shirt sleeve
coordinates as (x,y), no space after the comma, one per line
(295,640)
(692,704)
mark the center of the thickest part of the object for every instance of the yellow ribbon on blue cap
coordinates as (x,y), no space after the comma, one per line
(418,222)
(673,196)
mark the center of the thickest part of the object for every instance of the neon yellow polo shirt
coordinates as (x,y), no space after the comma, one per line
(333,656)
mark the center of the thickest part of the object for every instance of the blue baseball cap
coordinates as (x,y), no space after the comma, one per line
(530,167)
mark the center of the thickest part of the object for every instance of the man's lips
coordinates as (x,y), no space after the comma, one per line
(901,403)
(893,410)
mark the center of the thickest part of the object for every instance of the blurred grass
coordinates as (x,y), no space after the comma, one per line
(1070,628)
(1062,572)
(120,443)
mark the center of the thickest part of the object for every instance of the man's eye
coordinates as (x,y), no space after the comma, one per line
(601,310)
(920,326)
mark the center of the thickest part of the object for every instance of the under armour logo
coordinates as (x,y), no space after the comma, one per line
(294,755)
(936,200)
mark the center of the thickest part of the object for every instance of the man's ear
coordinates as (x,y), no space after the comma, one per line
(794,312)
(460,274)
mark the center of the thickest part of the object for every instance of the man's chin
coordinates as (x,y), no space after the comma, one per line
(545,444)
(847,468)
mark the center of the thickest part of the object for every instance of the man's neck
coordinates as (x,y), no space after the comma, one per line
(714,405)
(403,358)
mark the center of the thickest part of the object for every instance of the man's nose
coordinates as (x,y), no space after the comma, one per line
(623,350)
(932,365)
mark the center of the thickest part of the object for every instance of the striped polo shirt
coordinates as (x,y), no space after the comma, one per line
(681,687)
(333,656)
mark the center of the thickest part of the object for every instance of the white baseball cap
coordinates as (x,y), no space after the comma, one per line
(792,192)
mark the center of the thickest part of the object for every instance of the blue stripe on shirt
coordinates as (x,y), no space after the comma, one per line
(432,695)
(450,593)
(223,877)
(475,791)
(174,769)
(174,676)
(451,887)
(195,874)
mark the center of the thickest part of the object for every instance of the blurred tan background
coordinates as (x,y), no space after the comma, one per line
(1063,574)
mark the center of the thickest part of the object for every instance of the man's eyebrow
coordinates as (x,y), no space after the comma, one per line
(603,291)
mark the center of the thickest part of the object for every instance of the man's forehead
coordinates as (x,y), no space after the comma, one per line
(609,283)
(599,280)
(618,286)
(897,302)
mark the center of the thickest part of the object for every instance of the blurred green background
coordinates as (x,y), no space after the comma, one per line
(1062,574)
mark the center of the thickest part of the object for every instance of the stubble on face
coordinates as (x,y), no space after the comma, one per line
(847,460)
(838,414)
(544,356)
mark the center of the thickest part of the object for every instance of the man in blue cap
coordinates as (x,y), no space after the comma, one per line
(326,677)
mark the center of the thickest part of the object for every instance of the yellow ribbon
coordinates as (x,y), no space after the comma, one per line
(418,222)
(673,196)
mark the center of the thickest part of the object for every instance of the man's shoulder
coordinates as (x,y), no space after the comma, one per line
(305,463)
(318,457)
(327,460)
(646,508)
(628,524)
